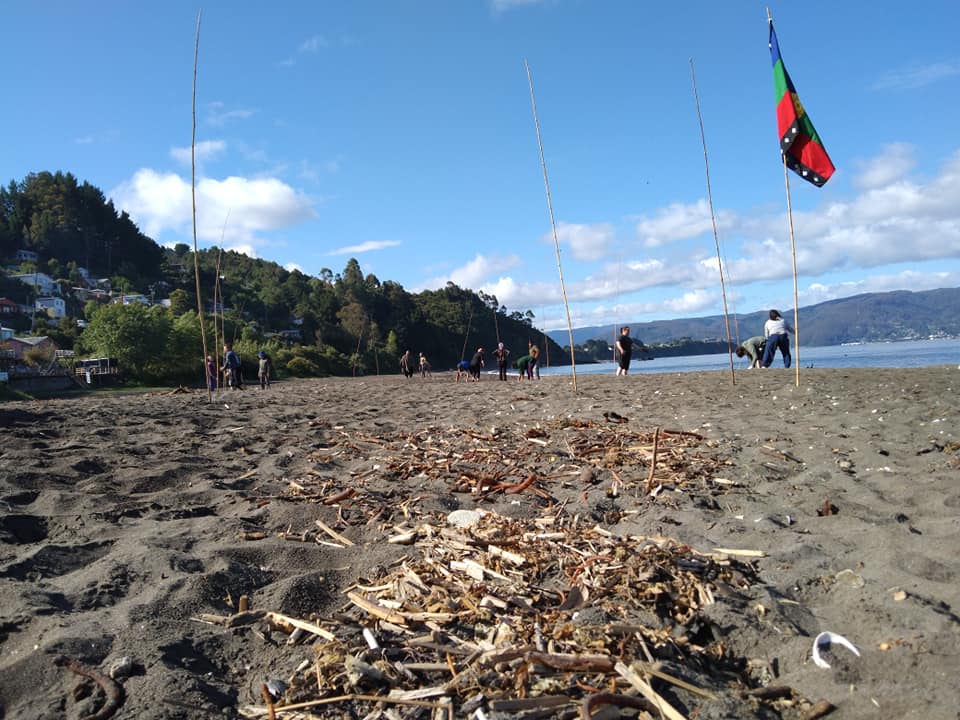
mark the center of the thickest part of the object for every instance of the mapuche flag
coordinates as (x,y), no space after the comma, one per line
(799,142)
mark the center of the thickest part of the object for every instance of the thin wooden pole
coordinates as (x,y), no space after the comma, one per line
(553,225)
(193,199)
(218,299)
(363,324)
(466,338)
(713,220)
(546,344)
(793,255)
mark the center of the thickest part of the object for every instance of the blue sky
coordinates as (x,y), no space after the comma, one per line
(401,133)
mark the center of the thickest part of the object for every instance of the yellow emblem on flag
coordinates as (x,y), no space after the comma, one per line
(797,106)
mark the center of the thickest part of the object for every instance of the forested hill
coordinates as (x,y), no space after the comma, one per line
(331,323)
(872,317)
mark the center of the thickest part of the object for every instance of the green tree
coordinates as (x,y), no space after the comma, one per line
(180,302)
(133,334)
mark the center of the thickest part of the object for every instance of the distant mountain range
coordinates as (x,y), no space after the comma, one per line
(872,317)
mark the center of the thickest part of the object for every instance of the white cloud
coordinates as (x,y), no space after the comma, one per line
(161,203)
(218,116)
(474,274)
(291,267)
(894,163)
(205,149)
(681,221)
(586,242)
(917,77)
(313,44)
(367,246)
(689,303)
(504,5)
(907,279)
(903,221)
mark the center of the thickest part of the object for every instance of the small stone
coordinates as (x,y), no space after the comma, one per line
(121,668)
(849,577)
(464,518)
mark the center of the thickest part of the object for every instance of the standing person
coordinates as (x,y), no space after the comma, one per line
(534,367)
(232,374)
(776,330)
(265,370)
(406,364)
(424,366)
(501,354)
(476,363)
(625,348)
(211,374)
(752,348)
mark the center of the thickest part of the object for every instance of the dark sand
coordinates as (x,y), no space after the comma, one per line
(123,518)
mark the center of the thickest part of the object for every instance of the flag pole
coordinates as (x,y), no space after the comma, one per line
(793,254)
(713,219)
(553,226)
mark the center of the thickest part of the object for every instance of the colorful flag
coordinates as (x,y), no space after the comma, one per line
(799,142)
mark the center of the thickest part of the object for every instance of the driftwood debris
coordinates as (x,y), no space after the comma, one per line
(532,615)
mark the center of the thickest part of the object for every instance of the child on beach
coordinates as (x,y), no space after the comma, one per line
(424,366)
(463,368)
(265,370)
(211,374)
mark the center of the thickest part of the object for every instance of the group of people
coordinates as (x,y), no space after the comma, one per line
(408,366)
(761,349)
(232,369)
(528,365)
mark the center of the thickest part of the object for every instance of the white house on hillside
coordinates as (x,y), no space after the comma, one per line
(55,307)
(45,284)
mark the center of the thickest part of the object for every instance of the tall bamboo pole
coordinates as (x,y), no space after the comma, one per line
(713,220)
(193,200)
(218,300)
(553,225)
(466,338)
(793,255)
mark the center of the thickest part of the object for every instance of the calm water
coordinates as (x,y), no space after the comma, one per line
(912,353)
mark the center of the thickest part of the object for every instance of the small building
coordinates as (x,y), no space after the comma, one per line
(8,307)
(23,345)
(43,283)
(135,299)
(6,333)
(54,307)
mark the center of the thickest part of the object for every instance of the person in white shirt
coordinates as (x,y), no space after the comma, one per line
(776,331)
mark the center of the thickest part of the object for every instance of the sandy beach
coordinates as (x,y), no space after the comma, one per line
(698,533)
